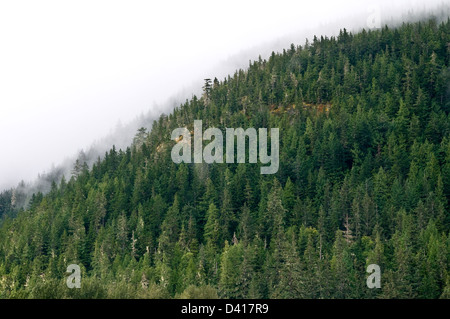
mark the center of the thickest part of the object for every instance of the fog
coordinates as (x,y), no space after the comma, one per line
(86,74)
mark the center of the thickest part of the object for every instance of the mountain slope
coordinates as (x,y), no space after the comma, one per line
(364,178)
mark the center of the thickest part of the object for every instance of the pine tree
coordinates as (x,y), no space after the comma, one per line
(342,268)
(170,227)
(212,227)
(230,271)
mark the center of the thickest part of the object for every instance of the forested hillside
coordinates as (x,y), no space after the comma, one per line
(364,178)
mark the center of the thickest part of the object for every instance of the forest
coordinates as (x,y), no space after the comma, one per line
(363,178)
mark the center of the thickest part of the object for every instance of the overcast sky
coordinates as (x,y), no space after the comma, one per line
(70,70)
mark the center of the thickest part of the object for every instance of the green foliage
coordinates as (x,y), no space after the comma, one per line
(364,178)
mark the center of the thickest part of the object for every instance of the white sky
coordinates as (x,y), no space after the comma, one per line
(70,70)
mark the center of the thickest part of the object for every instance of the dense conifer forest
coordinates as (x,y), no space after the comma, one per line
(364,178)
